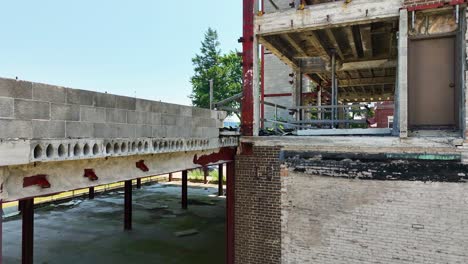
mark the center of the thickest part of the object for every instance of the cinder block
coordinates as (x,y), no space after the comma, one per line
(116,116)
(169,120)
(6,107)
(204,122)
(48,93)
(169,109)
(123,102)
(144,105)
(173,131)
(201,112)
(210,132)
(102,130)
(186,111)
(79,130)
(92,114)
(80,97)
(15,89)
(65,112)
(124,130)
(156,119)
(157,107)
(143,131)
(139,117)
(15,129)
(105,100)
(48,129)
(27,110)
(159,132)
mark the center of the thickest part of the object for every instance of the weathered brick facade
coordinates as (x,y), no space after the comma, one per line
(258,207)
(413,3)
(286,212)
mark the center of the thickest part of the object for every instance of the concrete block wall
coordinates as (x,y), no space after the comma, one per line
(40,111)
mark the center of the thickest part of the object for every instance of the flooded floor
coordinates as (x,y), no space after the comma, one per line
(91,231)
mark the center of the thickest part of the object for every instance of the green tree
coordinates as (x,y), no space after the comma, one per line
(225,71)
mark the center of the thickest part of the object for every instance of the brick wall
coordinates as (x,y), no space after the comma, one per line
(257,207)
(335,220)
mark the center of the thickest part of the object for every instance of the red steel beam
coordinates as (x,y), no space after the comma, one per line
(247,65)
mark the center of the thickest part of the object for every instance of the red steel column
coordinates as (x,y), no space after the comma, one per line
(230,200)
(1,231)
(184,189)
(128,206)
(91,193)
(206,172)
(138,183)
(27,212)
(220,179)
(248,60)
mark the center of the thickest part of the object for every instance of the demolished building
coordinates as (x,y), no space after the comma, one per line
(328,185)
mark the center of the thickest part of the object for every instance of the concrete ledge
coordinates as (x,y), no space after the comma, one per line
(28,151)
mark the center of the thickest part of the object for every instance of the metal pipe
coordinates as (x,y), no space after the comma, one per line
(211,94)
(457,13)
(333,80)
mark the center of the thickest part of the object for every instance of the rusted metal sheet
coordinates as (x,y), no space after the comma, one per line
(224,154)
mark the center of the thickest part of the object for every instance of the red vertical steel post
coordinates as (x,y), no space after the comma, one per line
(170,177)
(91,193)
(27,213)
(206,172)
(138,183)
(184,189)
(230,214)
(262,76)
(1,231)
(128,206)
(220,179)
(247,65)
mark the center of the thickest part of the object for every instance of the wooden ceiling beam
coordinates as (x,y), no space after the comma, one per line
(270,45)
(334,42)
(299,50)
(366,40)
(367,81)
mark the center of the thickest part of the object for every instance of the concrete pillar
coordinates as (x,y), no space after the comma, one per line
(402,100)
(230,214)
(91,193)
(138,183)
(27,212)
(128,206)
(170,177)
(184,189)
(220,179)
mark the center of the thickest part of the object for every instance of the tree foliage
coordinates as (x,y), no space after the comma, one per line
(224,69)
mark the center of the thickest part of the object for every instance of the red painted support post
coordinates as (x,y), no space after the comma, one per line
(206,172)
(27,211)
(138,183)
(230,196)
(220,179)
(1,231)
(184,189)
(248,74)
(170,177)
(91,193)
(128,206)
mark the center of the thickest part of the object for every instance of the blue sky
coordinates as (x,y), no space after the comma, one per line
(141,47)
